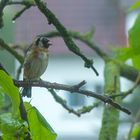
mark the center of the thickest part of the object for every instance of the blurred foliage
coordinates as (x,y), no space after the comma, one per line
(134,42)
(10,120)
(8,88)
(136,132)
(12,128)
(135,6)
(11,124)
(133,51)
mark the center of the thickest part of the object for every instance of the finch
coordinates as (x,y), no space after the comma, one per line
(36,62)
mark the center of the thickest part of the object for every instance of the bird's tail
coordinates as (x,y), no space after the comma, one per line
(27,91)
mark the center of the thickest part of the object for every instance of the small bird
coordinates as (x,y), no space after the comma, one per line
(36,61)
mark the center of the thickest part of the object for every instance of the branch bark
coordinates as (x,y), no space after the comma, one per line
(110,121)
(64,33)
(72,89)
(126,71)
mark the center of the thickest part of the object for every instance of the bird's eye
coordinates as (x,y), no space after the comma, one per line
(46,43)
(44,40)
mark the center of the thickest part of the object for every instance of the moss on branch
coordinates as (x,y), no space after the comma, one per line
(110,121)
(52,19)
(126,71)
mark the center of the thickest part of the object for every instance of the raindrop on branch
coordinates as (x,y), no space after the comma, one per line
(13,21)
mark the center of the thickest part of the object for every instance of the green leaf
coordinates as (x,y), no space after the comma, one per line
(135,131)
(135,6)
(134,42)
(39,127)
(124,54)
(8,87)
(2,100)
(11,127)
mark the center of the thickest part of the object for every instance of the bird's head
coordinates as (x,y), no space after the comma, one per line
(42,42)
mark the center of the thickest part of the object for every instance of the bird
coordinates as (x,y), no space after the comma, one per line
(36,62)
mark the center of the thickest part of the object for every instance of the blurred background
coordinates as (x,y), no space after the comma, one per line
(111,21)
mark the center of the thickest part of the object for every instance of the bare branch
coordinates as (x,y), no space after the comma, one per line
(18,14)
(63,103)
(130,91)
(78,112)
(86,109)
(73,90)
(126,71)
(82,38)
(26,4)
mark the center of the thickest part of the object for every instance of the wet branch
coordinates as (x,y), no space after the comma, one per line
(78,112)
(52,19)
(74,89)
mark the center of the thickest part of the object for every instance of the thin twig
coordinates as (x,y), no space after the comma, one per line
(78,112)
(130,91)
(86,109)
(126,71)
(63,103)
(25,3)
(72,89)
(18,14)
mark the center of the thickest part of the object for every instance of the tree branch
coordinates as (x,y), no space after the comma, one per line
(18,14)
(23,2)
(72,89)
(63,103)
(86,109)
(130,91)
(78,112)
(110,119)
(126,71)
(81,37)
(64,33)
